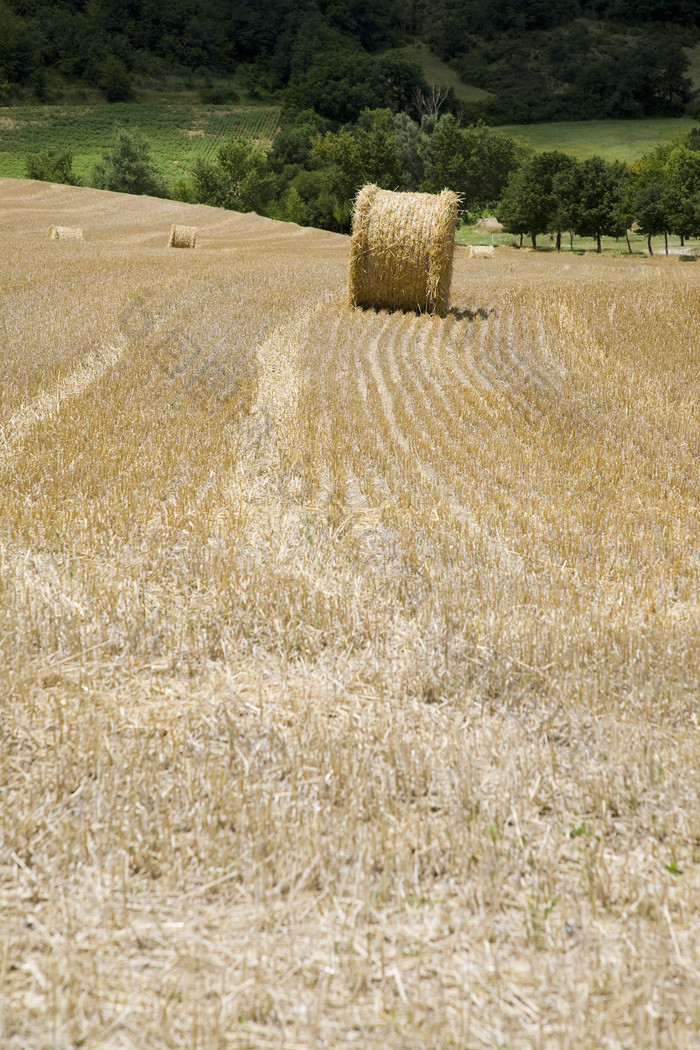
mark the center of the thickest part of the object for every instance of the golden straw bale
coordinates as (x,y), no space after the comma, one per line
(401,250)
(489,224)
(182,236)
(65,233)
(480,251)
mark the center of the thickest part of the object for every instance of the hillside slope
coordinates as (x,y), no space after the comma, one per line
(348,661)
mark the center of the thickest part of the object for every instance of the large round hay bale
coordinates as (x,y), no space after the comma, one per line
(401,250)
(182,236)
(65,233)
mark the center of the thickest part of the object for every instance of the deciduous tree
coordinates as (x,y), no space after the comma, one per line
(239,179)
(682,192)
(126,167)
(52,165)
(597,205)
(357,154)
(474,161)
(531,202)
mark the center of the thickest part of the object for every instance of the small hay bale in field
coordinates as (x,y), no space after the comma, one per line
(480,251)
(65,233)
(182,236)
(401,250)
(490,224)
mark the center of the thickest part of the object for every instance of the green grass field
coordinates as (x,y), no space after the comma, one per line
(468,235)
(612,139)
(178,133)
(439,73)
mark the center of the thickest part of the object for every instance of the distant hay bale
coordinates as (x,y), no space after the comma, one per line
(480,251)
(489,224)
(401,250)
(65,233)
(182,236)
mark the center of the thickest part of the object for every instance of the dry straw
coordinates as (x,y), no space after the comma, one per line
(401,250)
(65,233)
(480,251)
(182,236)
(489,224)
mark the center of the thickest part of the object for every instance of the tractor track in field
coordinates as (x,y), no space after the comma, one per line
(94,365)
(387,449)
(515,372)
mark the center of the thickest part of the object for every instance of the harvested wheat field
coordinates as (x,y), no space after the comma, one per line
(349,660)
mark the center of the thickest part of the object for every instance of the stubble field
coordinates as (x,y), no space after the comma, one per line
(349,662)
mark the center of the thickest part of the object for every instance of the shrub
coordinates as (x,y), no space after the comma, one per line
(115,82)
(127,167)
(51,165)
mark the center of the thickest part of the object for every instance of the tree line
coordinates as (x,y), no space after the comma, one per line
(312,173)
(657,195)
(539,60)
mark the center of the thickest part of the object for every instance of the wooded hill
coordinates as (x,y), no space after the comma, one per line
(538,59)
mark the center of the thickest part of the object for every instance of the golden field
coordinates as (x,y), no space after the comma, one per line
(349,661)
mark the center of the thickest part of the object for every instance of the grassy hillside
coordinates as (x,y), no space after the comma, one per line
(613,139)
(348,661)
(438,73)
(177,134)
(693,54)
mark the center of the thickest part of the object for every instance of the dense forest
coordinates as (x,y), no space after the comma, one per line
(538,59)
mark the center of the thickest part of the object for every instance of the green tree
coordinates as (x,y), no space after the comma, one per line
(401,79)
(364,152)
(682,191)
(646,197)
(338,84)
(293,143)
(19,46)
(183,189)
(317,202)
(565,190)
(126,167)
(651,214)
(474,161)
(597,206)
(522,209)
(413,142)
(239,179)
(51,165)
(531,202)
(292,206)
(115,82)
